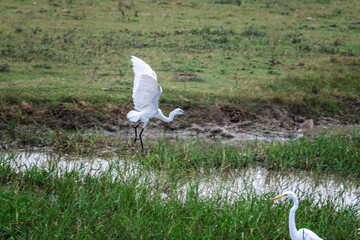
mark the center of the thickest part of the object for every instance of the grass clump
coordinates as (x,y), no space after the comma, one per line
(253,31)
(194,156)
(336,154)
(235,2)
(4,67)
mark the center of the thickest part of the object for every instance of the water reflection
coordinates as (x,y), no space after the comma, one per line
(23,161)
(246,182)
(262,181)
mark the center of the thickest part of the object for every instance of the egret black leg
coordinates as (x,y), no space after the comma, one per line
(136,132)
(142,146)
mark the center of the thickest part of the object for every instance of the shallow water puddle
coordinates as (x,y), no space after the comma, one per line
(23,161)
(261,181)
(244,183)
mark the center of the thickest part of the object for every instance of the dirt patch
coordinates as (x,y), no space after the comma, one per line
(70,118)
(184,77)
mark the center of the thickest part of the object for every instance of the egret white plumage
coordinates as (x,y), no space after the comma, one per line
(146,95)
(303,233)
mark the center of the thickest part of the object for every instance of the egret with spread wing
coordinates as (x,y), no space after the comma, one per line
(146,95)
(303,233)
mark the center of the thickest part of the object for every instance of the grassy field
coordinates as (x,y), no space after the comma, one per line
(251,57)
(57,53)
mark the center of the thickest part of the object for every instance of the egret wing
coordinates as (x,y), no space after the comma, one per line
(147,93)
(140,67)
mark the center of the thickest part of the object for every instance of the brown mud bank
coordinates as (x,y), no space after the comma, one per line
(229,123)
(79,114)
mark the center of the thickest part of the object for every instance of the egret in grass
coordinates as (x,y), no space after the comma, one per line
(146,95)
(303,233)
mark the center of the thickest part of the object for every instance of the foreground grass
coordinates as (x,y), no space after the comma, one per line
(39,204)
(63,52)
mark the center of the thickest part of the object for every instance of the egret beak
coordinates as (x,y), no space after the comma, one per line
(187,113)
(278,197)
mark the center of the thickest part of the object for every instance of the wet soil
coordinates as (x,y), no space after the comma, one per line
(228,123)
(82,115)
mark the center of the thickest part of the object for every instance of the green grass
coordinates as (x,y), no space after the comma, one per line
(335,154)
(338,155)
(234,48)
(40,204)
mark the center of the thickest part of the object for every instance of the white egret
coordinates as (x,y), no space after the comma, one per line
(303,233)
(146,95)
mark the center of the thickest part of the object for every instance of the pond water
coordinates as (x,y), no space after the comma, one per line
(246,182)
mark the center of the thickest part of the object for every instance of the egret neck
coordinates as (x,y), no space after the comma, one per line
(292,225)
(167,119)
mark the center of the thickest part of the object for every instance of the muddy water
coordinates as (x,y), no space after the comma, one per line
(231,133)
(237,133)
(245,182)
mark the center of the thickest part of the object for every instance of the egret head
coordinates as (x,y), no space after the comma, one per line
(179,111)
(288,194)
